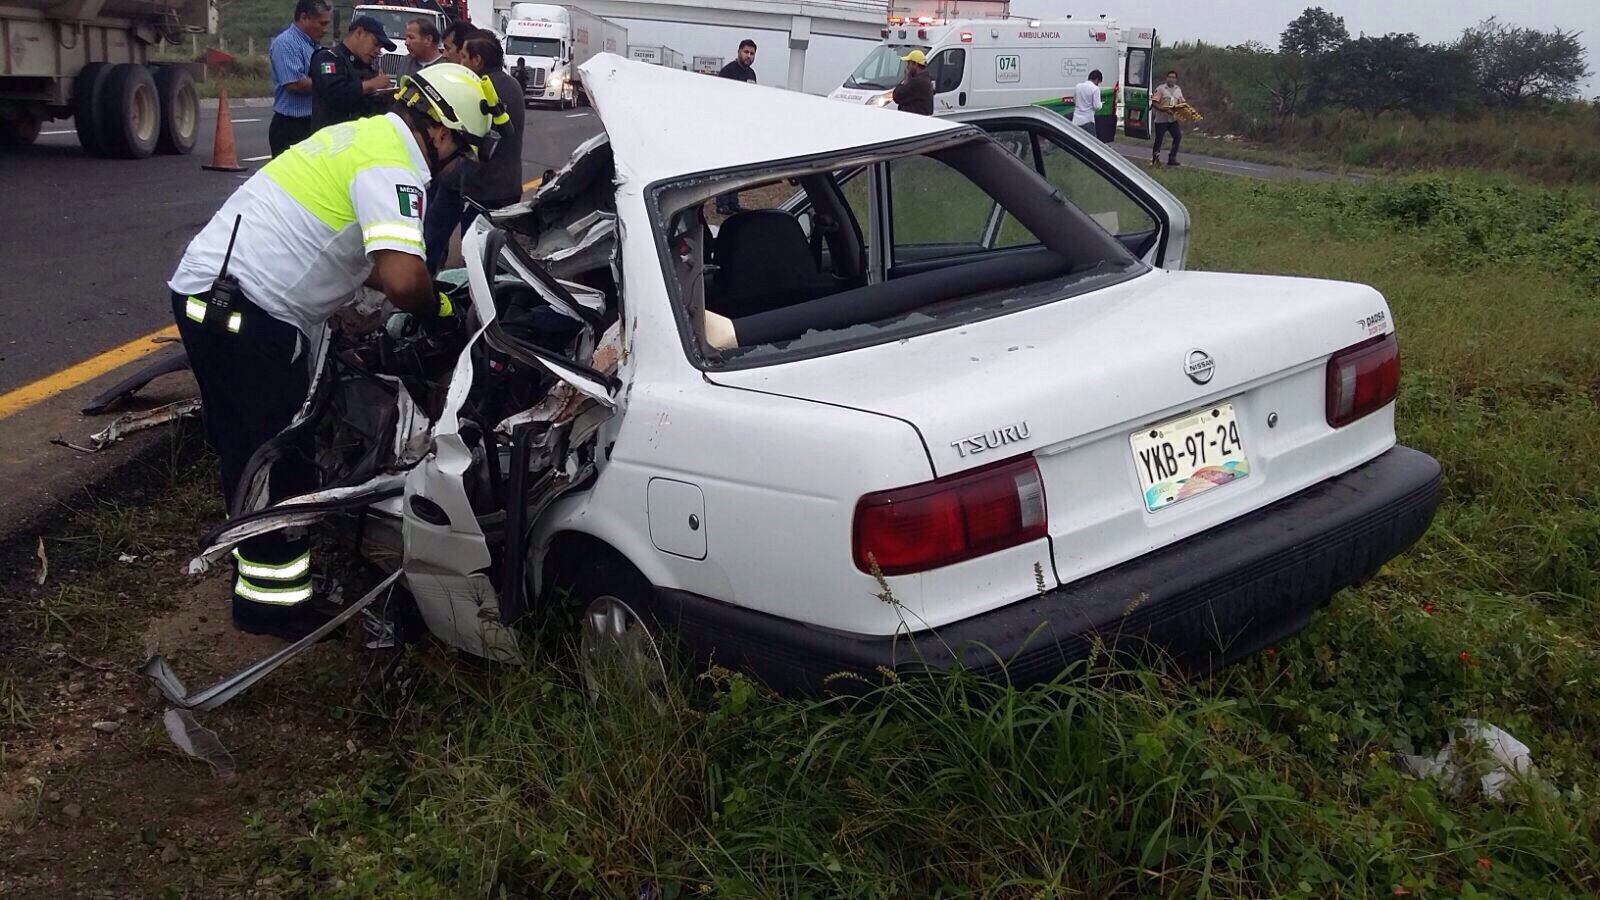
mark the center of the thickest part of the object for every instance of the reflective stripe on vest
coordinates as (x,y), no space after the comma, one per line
(289,571)
(278,596)
(317,172)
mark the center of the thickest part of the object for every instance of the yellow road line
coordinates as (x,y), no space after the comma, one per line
(78,373)
(526,185)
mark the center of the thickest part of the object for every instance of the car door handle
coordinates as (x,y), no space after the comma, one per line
(961,98)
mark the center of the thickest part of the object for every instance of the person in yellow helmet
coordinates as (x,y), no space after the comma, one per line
(914,93)
(292,245)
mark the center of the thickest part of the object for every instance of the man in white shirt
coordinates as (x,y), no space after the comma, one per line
(1163,100)
(1085,100)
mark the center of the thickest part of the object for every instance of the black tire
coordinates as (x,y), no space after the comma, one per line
(130,112)
(180,110)
(20,132)
(87,88)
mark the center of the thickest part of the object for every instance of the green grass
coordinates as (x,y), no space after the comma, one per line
(1232,89)
(1274,778)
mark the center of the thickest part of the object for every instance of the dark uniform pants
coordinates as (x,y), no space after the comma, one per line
(1162,130)
(253,378)
(286,131)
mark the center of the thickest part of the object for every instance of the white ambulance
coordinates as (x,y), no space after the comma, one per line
(987,63)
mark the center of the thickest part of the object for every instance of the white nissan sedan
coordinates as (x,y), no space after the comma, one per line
(954,399)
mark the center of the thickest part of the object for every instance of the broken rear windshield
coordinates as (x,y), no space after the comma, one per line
(790,267)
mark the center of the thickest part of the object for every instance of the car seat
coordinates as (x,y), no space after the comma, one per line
(764,262)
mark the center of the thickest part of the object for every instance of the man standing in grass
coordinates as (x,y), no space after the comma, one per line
(1085,100)
(1163,100)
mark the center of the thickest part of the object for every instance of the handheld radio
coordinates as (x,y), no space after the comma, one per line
(225,290)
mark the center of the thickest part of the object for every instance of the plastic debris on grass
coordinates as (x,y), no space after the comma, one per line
(1451,765)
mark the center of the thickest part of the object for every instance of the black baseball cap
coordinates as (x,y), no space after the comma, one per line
(373,27)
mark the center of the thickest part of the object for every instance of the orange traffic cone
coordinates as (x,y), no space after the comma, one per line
(223,158)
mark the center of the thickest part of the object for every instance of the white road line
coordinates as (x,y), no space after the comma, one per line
(256,158)
(242,121)
(576,115)
(48,133)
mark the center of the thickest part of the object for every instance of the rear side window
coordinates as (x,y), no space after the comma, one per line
(1107,204)
(974,232)
(936,213)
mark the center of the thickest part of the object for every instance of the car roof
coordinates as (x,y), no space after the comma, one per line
(666,123)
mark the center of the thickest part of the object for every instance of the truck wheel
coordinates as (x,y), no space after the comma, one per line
(87,89)
(20,131)
(130,112)
(180,110)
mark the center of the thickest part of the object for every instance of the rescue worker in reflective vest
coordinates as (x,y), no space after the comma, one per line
(337,211)
(345,78)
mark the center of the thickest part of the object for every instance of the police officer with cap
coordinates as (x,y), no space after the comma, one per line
(292,245)
(345,76)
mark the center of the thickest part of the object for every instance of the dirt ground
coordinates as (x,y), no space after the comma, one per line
(95,800)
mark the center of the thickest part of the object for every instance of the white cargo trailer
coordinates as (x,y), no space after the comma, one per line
(554,41)
(91,61)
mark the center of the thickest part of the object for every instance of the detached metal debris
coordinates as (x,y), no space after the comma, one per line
(159,672)
(130,423)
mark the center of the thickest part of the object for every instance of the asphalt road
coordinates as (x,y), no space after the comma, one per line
(89,243)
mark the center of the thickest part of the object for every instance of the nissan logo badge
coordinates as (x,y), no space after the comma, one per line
(1199,366)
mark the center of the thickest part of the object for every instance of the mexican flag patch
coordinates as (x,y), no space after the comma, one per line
(410,200)
(329,68)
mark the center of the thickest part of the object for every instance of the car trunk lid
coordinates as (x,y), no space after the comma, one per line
(1071,381)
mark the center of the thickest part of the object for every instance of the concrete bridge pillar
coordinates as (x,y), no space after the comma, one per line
(799,41)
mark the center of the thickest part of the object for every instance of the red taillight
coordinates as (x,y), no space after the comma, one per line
(914,529)
(1362,379)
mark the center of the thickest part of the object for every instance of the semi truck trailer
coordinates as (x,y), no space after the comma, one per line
(554,41)
(90,60)
(657,55)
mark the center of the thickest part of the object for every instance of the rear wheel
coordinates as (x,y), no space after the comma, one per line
(130,112)
(87,89)
(619,643)
(180,110)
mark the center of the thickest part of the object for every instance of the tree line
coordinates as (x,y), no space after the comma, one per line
(1318,65)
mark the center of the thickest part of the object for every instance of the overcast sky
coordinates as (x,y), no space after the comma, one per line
(1233,22)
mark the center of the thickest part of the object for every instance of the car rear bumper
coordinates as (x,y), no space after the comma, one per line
(1205,601)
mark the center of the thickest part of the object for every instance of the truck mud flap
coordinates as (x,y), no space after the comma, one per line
(159,673)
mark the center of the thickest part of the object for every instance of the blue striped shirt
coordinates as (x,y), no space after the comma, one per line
(288,55)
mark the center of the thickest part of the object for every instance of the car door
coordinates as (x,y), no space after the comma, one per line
(1147,218)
